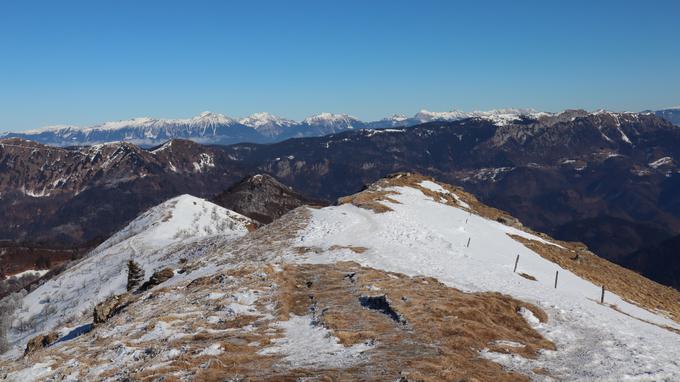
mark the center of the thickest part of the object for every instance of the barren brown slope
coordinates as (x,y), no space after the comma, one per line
(438,338)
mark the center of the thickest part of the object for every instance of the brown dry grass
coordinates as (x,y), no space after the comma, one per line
(444,331)
(370,199)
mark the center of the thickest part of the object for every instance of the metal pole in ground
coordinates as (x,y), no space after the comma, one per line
(516,261)
(602,296)
(468,244)
(557,273)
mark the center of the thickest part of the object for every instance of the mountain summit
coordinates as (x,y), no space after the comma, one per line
(262,198)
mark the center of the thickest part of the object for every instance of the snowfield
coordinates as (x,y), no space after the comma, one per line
(149,240)
(424,237)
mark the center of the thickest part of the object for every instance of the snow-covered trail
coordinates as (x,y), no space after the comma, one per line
(423,237)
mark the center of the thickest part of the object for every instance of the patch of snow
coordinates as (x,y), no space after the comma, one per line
(35,272)
(164,146)
(34,373)
(242,303)
(307,345)
(661,162)
(212,350)
(432,186)
(161,330)
(35,194)
(529,316)
(506,343)
(205,162)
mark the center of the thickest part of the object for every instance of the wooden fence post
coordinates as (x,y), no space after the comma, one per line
(516,261)
(557,273)
(602,296)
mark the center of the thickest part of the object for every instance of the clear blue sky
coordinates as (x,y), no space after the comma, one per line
(83,62)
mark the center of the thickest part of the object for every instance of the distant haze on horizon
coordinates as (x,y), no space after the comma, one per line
(83,63)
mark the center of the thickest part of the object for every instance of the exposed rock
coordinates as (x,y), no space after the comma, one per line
(111,306)
(41,341)
(157,278)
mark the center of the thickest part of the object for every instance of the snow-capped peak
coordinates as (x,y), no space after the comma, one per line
(264,119)
(211,118)
(329,119)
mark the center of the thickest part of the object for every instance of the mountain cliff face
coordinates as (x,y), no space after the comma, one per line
(397,282)
(71,196)
(608,179)
(262,198)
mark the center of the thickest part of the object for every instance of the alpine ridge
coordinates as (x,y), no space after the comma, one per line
(397,282)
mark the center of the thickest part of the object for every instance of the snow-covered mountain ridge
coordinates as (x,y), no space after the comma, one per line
(215,128)
(402,280)
(151,240)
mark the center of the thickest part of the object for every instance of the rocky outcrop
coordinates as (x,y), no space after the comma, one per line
(157,278)
(41,341)
(110,307)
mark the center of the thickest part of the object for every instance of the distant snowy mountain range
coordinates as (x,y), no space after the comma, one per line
(214,128)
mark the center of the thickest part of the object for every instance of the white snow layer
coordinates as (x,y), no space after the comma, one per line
(33,272)
(33,373)
(148,240)
(305,344)
(423,237)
